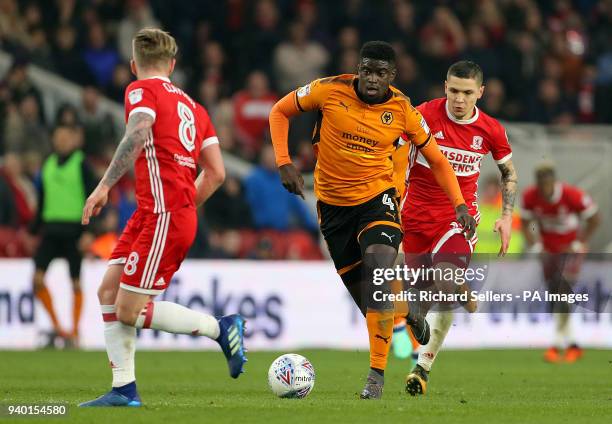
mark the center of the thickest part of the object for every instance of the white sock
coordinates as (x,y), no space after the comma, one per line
(563,330)
(439,323)
(120,341)
(177,319)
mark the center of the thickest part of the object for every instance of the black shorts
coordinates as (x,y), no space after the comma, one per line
(344,228)
(59,246)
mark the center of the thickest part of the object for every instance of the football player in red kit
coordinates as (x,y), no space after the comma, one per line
(432,237)
(167,136)
(558,209)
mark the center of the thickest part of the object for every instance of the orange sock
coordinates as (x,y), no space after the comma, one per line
(380,330)
(401,307)
(77,307)
(398,320)
(45,298)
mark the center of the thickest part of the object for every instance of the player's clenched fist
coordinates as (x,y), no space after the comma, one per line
(466,220)
(292,179)
(94,203)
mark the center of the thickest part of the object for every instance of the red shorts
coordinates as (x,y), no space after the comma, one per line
(152,247)
(438,243)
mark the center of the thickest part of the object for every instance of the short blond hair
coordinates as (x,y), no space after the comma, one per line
(153,46)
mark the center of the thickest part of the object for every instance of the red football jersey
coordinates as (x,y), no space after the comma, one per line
(167,166)
(559,218)
(464,143)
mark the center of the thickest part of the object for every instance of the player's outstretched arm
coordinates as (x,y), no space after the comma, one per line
(284,109)
(509,188)
(212,175)
(592,223)
(137,132)
(445,177)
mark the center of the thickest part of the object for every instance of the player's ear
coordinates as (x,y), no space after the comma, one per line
(445,87)
(172,65)
(393,74)
(133,67)
(481,91)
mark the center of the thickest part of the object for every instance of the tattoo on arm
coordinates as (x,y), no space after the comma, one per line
(137,131)
(509,186)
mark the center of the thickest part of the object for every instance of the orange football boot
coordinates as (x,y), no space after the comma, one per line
(552,355)
(573,353)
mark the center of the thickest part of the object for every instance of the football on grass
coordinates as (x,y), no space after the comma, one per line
(291,376)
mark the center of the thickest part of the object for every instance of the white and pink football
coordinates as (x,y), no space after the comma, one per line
(291,376)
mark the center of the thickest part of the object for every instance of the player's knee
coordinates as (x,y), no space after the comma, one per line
(106,294)
(127,315)
(379,246)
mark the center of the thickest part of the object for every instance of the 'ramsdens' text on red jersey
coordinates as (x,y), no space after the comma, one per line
(464,143)
(558,218)
(167,166)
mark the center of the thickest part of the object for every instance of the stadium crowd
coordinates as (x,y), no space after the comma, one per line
(548,62)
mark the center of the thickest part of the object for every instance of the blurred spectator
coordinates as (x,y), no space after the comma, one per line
(67,115)
(347,62)
(23,192)
(272,206)
(101,57)
(409,80)
(213,62)
(122,76)
(97,123)
(8,211)
(138,15)
(494,101)
(12,25)
(40,52)
(298,60)
(586,95)
(261,37)
(442,40)
(68,61)
(20,85)
(550,106)
(480,50)
(25,130)
(305,159)
(403,27)
(218,215)
(251,109)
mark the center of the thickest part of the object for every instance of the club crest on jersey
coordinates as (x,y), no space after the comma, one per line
(135,96)
(476,142)
(386,117)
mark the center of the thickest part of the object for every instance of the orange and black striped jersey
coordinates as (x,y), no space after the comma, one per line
(355,141)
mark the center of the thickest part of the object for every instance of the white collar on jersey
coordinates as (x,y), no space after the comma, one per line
(461,121)
(160,77)
(557,192)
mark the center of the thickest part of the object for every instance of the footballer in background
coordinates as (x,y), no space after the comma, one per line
(552,213)
(167,135)
(432,236)
(360,121)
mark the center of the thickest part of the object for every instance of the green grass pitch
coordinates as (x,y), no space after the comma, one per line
(183,387)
